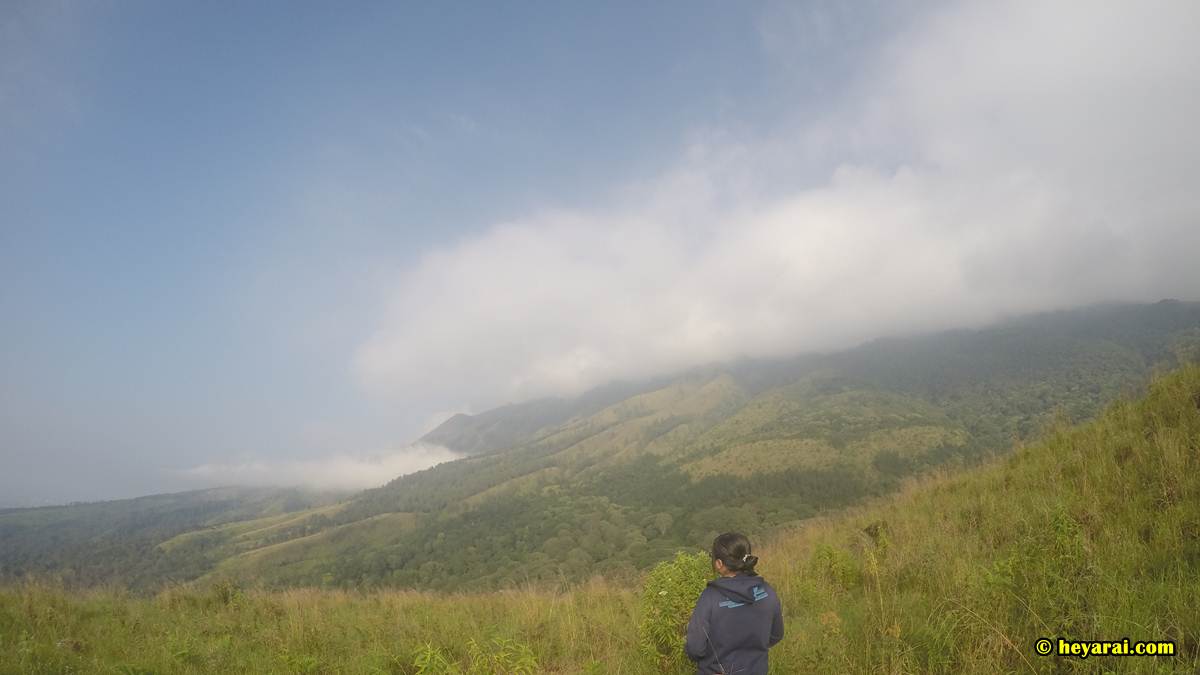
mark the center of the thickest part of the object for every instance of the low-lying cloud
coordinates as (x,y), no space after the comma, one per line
(338,472)
(995,158)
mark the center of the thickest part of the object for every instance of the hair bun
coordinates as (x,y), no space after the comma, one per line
(750,561)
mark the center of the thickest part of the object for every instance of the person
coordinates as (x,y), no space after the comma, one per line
(737,618)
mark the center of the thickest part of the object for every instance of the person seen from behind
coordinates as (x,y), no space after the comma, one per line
(737,618)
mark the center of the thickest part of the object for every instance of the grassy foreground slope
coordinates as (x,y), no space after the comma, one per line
(1091,533)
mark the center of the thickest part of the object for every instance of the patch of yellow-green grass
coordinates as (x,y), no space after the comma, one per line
(228,529)
(631,425)
(802,410)
(314,550)
(784,454)
(691,397)
(243,531)
(267,529)
(550,475)
(749,459)
(906,442)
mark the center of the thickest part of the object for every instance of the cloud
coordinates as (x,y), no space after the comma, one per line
(993,158)
(338,472)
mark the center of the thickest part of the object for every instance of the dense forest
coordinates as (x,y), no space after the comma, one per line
(557,491)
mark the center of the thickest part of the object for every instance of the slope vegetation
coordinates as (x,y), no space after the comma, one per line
(1092,533)
(749,446)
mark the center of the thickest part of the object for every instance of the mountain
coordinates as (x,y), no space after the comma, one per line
(508,425)
(1091,532)
(615,480)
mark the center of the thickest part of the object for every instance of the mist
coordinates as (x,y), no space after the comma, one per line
(990,160)
(338,472)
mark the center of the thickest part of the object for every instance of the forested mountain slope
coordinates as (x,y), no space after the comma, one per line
(748,446)
(620,478)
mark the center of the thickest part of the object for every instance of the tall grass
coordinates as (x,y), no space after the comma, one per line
(1092,533)
(225,629)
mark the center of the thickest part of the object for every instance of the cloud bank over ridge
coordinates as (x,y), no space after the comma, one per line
(338,472)
(993,158)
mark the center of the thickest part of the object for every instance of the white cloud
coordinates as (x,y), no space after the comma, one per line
(995,158)
(338,472)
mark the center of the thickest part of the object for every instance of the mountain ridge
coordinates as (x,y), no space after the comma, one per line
(623,478)
(490,431)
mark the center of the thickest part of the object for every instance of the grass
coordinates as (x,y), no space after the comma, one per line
(313,549)
(1092,533)
(247,533)
(228,630)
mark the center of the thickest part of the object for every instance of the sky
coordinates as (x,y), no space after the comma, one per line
(253,243)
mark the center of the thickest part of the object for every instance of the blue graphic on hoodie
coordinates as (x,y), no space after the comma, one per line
(736,620)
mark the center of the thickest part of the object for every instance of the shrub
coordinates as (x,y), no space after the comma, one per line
(500,656)
(836,565)
(429,660)
(225,593)
(668,597)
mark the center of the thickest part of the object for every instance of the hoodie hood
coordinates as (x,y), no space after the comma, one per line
(743,587)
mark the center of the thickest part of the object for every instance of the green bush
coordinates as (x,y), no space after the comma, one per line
(501,656)
(430,660)
(837,566)
(668,597)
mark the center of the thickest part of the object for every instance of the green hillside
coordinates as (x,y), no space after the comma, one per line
(508,425)
(749,446)
(618,479)
(1091,533)
(122,541)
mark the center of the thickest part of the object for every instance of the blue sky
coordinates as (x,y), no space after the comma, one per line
(252,237)
(185,185)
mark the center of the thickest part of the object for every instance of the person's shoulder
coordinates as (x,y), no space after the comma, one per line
(769,589)
(707,597)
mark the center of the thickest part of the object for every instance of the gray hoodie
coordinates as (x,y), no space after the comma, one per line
(735,621)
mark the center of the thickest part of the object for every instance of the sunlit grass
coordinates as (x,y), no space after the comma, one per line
(1092,533)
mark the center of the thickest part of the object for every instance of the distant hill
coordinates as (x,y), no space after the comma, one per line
(507,426)
(617,479)
(116,541)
